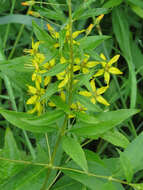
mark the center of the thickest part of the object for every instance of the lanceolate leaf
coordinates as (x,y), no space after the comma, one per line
(74,150)
(116,138)
(41,124)
(91,42)
(101,122)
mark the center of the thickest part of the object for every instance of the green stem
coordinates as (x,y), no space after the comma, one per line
(18,37)
(8,26)
(71,54)
(62,132)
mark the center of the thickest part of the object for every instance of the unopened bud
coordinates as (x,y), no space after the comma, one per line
(33,13)
(28,3)
(99,18)
(88,30)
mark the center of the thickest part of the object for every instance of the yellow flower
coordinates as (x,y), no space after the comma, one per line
(64,77)
(35,99)
(95,95)
(34,49)
(84,64)
(107,68)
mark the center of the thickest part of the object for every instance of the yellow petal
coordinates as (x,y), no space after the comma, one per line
(39,108)
(37,84)
(86,57)
(33,76)
(85,93)
(103,64)
(93,100)
(64,82)
(99,73)
(60,76)
(46,65)
(56,45)
(101,90)
(113,60)
(32,89)
(92,83)
(74,106)
(39,57)
(75,42)
(35,45)
(63,60)
(75,81)
(47,80)
(115,71)
(107,77)
(52,62)
(56,35)
(71,116)
(91,64)
(103,56)
(51,104)
(85,70)
(102,100)
(77,60)
(76,68)
(63,97)
(32,99)
(32,111)
(76,34)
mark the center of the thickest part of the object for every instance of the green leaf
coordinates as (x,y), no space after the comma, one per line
(38,124)
(9,151)
(116,138)
(89,13)
(19,19)
(101,122)
(50,14)
(137,10)
(65,183)
(86,118)
(10,147)
(74,150)
(136,2)
(134,154)
(30,178)
(123,35)
(42,35)
(126,165)
(91,42)
(89,180)
(112,3)
(51,89)
(16,70)
(55,70)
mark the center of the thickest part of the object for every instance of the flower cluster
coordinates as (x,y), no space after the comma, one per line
(83,64)
(40,66)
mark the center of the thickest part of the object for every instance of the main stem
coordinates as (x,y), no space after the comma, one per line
(70,89)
